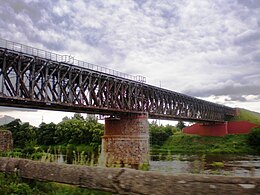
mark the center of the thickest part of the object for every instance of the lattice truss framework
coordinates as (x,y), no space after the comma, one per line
(34,82)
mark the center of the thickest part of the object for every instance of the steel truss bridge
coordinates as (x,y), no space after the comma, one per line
(34,78)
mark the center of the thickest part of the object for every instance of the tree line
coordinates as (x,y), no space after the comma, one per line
(77,130)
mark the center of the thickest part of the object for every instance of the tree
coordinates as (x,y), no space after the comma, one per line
(79,131)
(22,133)
(46,134)
(180,125)
(65,118)
(78,116)
(159,134)
(254,138)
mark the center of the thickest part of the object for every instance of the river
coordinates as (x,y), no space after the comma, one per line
(230,165)
(221,164)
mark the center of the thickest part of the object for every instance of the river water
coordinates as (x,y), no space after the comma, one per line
(230,165)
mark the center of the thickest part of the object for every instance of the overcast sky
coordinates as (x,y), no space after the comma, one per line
(204,48)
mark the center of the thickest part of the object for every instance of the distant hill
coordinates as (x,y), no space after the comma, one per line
(4,119)
(247,115)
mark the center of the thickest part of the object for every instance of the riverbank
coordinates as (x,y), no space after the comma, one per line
(181,143)
(194,144)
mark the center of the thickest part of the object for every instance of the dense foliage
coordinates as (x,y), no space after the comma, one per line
(159,133)
(22,133)
(79,131)
(180,125)
(254,138)
(12,184)
(76,130)
(46,134)
(194,144)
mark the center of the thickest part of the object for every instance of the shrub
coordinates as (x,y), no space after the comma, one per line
(22,133)
(254,138)
(159,134)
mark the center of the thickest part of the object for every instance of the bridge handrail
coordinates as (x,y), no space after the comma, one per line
(18,47)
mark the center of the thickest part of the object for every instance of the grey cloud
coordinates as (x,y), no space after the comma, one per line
(253,4)
(230,90)
(236,98)
(248,37)
(33,21)
(34,11)
(256,56)
(140,2)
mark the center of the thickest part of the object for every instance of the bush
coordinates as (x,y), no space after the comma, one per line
(79,131)
(254,138)
(159,134)
(23,133)
(13,184)
(46,134)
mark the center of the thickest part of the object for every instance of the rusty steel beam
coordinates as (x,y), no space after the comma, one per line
(31,81)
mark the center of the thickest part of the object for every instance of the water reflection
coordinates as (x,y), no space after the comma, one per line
(231,165)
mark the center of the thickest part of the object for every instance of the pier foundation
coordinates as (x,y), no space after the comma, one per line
(126,141)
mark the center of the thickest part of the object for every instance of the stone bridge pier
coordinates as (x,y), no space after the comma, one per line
(126,141)
(6,140)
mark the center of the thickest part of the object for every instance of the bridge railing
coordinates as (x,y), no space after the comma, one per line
(65,59)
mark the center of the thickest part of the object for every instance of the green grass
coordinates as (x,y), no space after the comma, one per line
(246,115)
(194,144)
(229,144)
(12,184)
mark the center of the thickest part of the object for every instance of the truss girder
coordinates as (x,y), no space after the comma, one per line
(34,82)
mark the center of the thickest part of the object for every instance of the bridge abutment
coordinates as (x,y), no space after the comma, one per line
(125,141)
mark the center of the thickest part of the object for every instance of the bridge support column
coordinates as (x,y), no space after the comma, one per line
(6,140)
(125,141)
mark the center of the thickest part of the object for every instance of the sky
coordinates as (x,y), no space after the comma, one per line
(208,49)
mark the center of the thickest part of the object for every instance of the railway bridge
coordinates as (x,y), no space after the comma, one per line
(35,78)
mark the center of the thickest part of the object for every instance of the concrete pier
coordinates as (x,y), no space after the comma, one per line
(126,141)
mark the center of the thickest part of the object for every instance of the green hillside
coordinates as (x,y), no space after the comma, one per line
(229,144)
(193,144)
(247,115)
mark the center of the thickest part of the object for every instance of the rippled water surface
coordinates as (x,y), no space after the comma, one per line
(207,164)
(230,165)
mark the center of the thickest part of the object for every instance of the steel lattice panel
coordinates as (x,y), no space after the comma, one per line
(35,82)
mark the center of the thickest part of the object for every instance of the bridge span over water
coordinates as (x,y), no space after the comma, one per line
(34,78)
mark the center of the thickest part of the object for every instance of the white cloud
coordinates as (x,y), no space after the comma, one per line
(201,48)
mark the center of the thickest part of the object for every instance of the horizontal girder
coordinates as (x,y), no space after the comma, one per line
(31,81)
